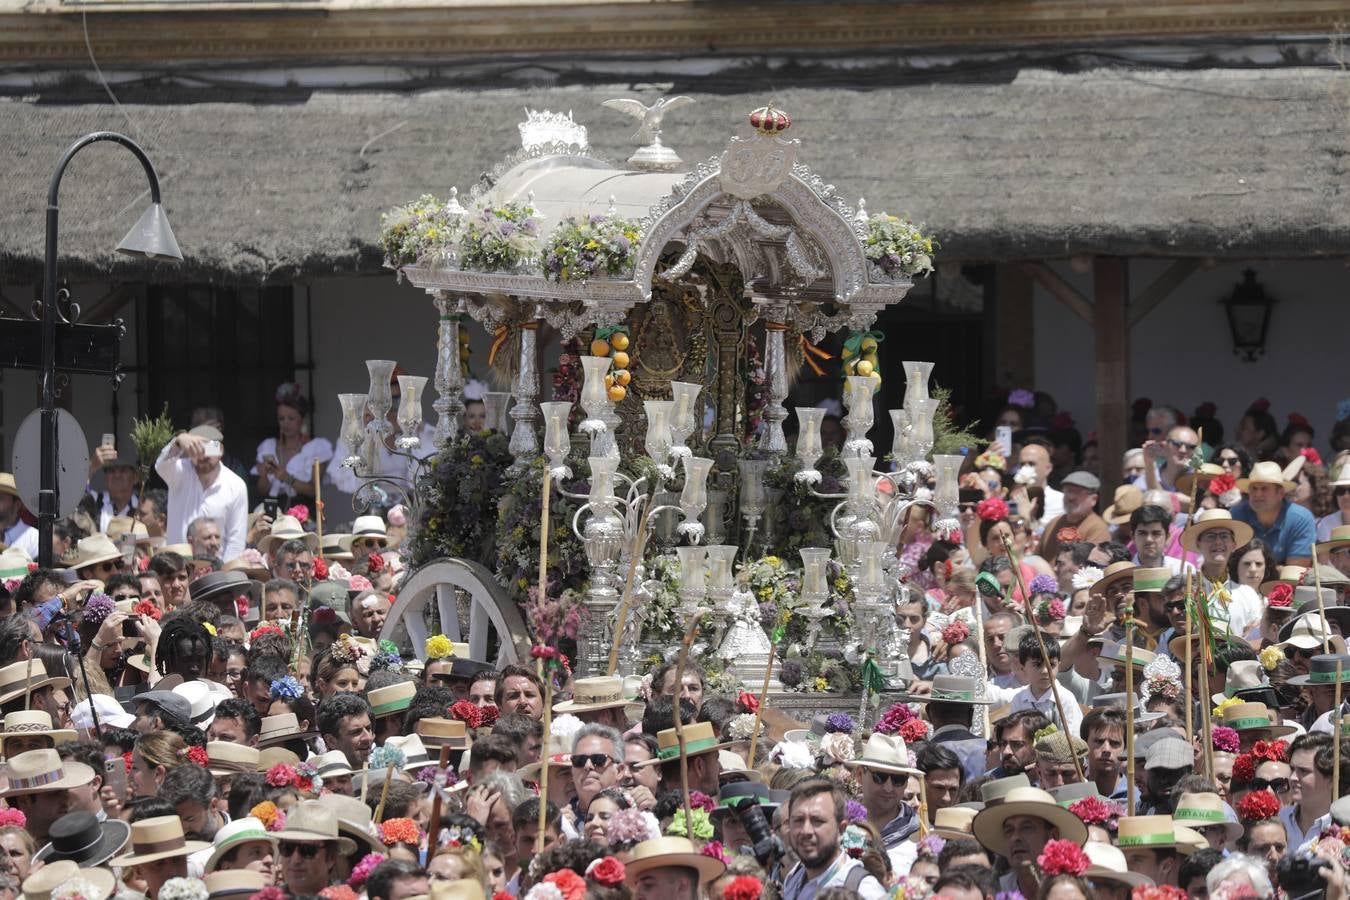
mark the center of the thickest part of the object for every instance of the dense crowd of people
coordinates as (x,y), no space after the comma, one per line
(201,699)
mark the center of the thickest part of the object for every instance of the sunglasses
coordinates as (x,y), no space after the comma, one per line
(1174,605)
(598,761)
(1342,492)
(1278,785)
(894,778)
(306,851)
(114,566)
(1229,461)
(1182,445)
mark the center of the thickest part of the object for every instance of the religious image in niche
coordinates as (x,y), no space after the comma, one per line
(662,341)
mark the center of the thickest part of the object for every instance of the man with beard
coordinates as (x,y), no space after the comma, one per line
(344,724)
(172,570)
(882,773)
(1166,762)
(1174,606)
(817,818)
(1018,830)
(519,690)
(1015,739)
(1104,731)
(1080,514)
(1215,535)
(1287,529)
(191,790)
(1149,607)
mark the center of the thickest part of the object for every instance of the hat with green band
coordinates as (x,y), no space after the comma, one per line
(236,833)
(1153,832)
(951,689)
(394,698)
(1254,717)
(731,796)
(1204,809)
(1151,580)
(698,738)
(1323,669)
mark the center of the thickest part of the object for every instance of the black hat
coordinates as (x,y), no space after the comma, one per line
(731,795)
(81,838)
(222,587)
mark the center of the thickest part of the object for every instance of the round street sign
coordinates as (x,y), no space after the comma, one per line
(72,461)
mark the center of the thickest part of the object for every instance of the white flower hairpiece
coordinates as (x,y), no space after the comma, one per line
(792,755)
(75,888)
(1025,475)
(337,573)
(740,727)
(838,746)
(544,890)
(1086,577)
(183,889)
(565,726)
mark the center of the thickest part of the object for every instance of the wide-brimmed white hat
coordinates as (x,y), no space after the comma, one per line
(672,852)
(233,834)
(96,548)
(43,883)
(310,821)
(1215,520)
(593,694)
(33,723)
(287,528)
(1266,472)
(366,527)
(42,772)
(1108,864)
(885,753)
(1026,801)
(158,838)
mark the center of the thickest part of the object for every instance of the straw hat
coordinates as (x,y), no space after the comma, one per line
(79,837)
(1204,809)
(14,563)
(672,852)
(1026,801)
(1254,717)
(1213,520)
(1155,832)
(1291,575)
(1108,864)
(227,758)
(42,772)
(33,723)
(183,550)
(952,689)
(1264,473)
(366,527)
(254,570)
(995,792)
(698,739)
(1340,535)
(953,823)
(1115,654)
(1117,571)
(395,698)
(414,752)
(158,838)
(1306,633)
(1243,675)
(1151,581)
(885,753)
(1127,499)
(332,764)
(332,549)
(459,889)
(312,822)
(354,820)
(233,834)
(1206,473)
(41,884)
(122,525)
(287,528)
(593,694)
(281,729)
(96,548)
(440,732)
(234,883)
(202,701)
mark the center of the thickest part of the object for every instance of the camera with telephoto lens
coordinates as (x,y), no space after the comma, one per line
(765,844)
(1300,876)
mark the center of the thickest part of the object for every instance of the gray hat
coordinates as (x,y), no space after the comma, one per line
(207,433)
(1171,753)
(175,705)
(1082,479)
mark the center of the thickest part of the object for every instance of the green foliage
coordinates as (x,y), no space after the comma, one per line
(150,435)
(947,438)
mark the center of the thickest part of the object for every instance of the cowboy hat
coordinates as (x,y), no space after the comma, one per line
(1127,499)
(33,723)
(287,528)
(43,771)
(1206,473)
(1117,571)
(233,883)
(366,527)
(233,834)
(1254,717)
(953,823)
(280,729)
(1156,832)
(1204,809)
(1026,801)
(228,758)
(672,852)
(593,694)
(698,739)
(885,753)
(43,883)
(1264,473)
(312,822)
(1324,669)
(1108,864)
(158,838)
(952,689)
(1212,520)
(91,551)
(82,839)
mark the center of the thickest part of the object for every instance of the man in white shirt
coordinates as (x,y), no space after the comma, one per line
(1037,455)
(16,532)
(1216,536)
(199,486)
(816,823)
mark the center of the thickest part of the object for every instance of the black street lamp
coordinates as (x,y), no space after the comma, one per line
(1248,310)
(150,238)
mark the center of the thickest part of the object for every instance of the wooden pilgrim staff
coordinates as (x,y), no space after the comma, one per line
(1045,654)
(1129,714)
(1326,626)
(318,508)
(685,644)
(1190,678)
(1336,719)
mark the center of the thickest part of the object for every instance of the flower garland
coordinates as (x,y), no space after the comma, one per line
(465,478)
(499,238)
(581,247)
(400,831)
(409,232)
(1258,805)
(898,246)
(361,871)
(1061,857)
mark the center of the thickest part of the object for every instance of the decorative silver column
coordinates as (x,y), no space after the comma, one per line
(524,442)
(771,438)
(449,404)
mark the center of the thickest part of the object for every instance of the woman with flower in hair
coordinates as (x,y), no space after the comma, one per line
(288,696)
(337,669)
(1263,834)
(156,754)
(1062,865)
(994,530)
(596,823)
(285,463)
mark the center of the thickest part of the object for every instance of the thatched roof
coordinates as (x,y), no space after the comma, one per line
(1209,163)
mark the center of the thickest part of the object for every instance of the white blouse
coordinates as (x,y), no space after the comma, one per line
(300,466)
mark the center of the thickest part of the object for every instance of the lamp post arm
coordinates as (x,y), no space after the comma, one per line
(47,494)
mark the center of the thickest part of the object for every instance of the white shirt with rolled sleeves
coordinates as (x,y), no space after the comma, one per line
(225,500)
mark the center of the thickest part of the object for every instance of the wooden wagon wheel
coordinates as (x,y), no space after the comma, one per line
(442,585)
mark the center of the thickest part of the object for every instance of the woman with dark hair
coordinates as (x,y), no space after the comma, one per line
(1257,431)
(1233,458)
(285,463)
(1252,564)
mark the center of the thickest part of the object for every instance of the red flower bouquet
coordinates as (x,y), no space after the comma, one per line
(1063,858)
(1258,805)
(743,887)
(572,885)
(992,509)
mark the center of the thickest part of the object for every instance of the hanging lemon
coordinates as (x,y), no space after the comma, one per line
(619,340)
(599,347)
(609,381)
(623,376)
(617,393)
(620,359)
(863,368)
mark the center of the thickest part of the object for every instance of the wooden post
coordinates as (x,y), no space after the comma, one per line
(434,832)
(543,770)
(384,793)
(318,508)
(1010,322)
(1129,716)
(1190,678)
(1111,327)
(679,721)
(1205,714)
(1326,626)
(759,710)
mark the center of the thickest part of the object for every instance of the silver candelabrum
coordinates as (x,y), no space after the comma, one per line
(366,428)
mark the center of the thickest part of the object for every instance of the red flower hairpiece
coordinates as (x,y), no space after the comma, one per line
(374,563)
(400,831)
(1157,892)
(1258,805)
(1063,858)
(955,632)
(1068,536)
(572,885)
(1311,455)
(743,887)
(992,509)
(1092,810)
(1244,769)
(146,608)
(466,712)
(608,871)
(241,606)
(1271,751)
(914,730)
(1281,594)
(747,701)
(320,569)
(262,630)
(1222,484)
